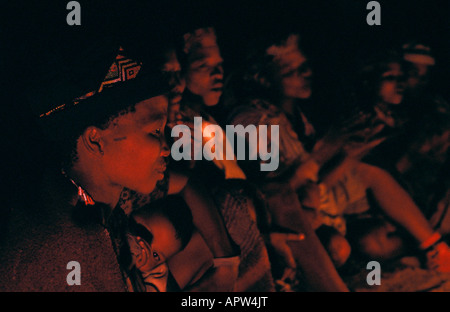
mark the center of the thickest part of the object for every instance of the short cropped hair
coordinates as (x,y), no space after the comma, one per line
(171,207)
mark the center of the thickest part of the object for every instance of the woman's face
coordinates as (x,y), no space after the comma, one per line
(392,85)
(204,74)
(134,146)
(295,75)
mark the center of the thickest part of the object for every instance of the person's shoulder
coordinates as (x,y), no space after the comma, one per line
(44,242)
(252,112)
(39,255)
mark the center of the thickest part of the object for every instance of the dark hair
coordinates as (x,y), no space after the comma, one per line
(179,44)
(174,209)
(258,77)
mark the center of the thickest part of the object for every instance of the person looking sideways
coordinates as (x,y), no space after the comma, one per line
(210,237)
(277,82)
(107,141)
(417,127)
(202,70)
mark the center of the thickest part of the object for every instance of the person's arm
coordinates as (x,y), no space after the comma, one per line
(207,219)
(310,255)
(331,152)
(210,225)
(286,212)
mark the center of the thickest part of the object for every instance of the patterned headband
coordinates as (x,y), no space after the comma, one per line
(418,53)
(122,69)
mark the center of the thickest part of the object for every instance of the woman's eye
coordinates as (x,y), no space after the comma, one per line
(156,256)
(203,68)
(390,78)
(288,74)
(167,75)
(304,68)
(156,133)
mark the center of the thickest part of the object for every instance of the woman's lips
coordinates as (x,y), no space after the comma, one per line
(217,87)
(176,99)
(161,169)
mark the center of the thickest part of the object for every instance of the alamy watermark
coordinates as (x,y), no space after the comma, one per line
(211,143)
(74,16)
(74,276)
(374,16)
(374,276)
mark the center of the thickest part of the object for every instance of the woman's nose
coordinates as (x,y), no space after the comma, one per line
(179,84)
(165,150)
(401,81)
(218,70)
(306,72)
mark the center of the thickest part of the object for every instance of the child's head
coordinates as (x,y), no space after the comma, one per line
(160,230)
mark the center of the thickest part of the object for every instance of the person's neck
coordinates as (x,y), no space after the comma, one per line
(193,101)
(288,106)
(91,180)
(384,107)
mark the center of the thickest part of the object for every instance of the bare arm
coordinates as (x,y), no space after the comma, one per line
(210,225)
(207,219)
(310,255)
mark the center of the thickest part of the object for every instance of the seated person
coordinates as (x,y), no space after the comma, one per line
(282,78)
(202,68)
(107,141)
(397,90)
(210,239)
(209,214)
(260,103)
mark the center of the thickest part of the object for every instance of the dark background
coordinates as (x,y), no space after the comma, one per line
(45,62)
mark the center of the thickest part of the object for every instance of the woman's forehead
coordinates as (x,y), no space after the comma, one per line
(392,68)
(151,110)
(293,59)
(172,63)
(146,112)
(209,54)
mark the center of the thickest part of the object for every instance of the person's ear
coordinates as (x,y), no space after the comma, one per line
(92,140)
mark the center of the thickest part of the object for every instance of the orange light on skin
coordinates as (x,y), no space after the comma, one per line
(206,134)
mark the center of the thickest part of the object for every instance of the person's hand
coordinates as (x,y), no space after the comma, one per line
(193,140)
(279,242)
(328,146)
(305,173)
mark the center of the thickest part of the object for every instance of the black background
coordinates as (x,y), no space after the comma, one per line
(45,61)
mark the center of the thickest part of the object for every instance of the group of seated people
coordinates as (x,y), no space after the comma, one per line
(369,185)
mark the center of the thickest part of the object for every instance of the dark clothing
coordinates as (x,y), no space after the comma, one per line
(51,232)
